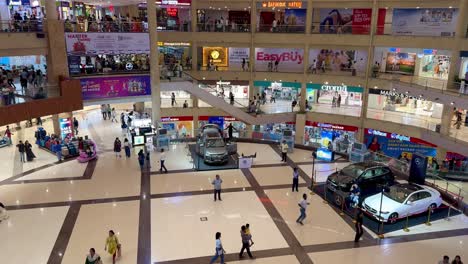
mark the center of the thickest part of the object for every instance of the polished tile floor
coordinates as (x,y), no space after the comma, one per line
(57,211)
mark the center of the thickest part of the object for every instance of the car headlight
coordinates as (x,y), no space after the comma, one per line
(384,212)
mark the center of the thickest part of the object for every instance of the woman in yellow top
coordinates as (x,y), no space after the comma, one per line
(112,245)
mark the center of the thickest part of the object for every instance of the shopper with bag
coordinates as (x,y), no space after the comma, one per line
(113,246)
(219,249)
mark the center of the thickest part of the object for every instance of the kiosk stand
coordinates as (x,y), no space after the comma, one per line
(359,153)
(162,140)
(288,136)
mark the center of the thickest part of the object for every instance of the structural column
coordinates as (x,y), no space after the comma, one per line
(154,64)
(446,123)
(302,102)
(194,17)
(310,12)
(460,34)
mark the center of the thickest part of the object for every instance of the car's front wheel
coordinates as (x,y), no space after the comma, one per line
(338,199)
(393,218)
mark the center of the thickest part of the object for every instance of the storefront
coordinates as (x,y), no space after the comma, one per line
(396,145)
(223,20)
(341,137)
(173,15)
(340,61)
(429,63)
(180,96)
(178,126)
(278,90)
(16,63)
(224,121)
(281,16)
(404,103)
(24,8)
(223,58)
(171,53)
(272,131)
(335,95)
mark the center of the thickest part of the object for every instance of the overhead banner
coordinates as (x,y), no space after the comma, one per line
(394,145)
(112,87)
(345,21)
(425,22)
(107,43)
(282,60)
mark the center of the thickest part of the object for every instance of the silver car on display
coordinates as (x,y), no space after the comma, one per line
(401,200)
(211,146)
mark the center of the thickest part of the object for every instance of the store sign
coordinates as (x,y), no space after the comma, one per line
(174,2)
(338,88)
(176,118)
(113,87)
(107,43)
(282,4)
(279,59)
(332,126)
(389,93)
(335,87)
(65,128)
(216,55)
(172,12)
(425,22)
(226,118)
(173,44)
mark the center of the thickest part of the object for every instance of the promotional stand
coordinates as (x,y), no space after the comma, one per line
(359,153)
(289,138)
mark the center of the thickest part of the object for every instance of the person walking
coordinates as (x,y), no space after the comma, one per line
(245,243)
(217,187)
(173,101)
(8,133)
(113,115)
(247,230)
(108,111)
(358,225)
(219,250)
(3,213)
(445,260)
(92,257)
(117,147)
(75,125)
(230,128)
(303,206)
(22,151)
(127,147)
(28,150)
(284,151)
(141,158)
(457,260)
(104,111)
(112,245)
(295,184)
(162,158)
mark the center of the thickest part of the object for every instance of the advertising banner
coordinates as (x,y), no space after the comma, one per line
(282,60)
(418,169)
(345,21)
(394,145)
(216,55)
(399,62)
(107,43)
(337,60)
(425,21)
(112,87)
(65,128)
(236,55)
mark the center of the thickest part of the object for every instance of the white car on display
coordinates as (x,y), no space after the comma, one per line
(401,200)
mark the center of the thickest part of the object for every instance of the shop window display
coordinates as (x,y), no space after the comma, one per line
(320,97)
(239,89)
(223,59)
(272,131)
(178,127)
(212,20)
(333,136)
(239,127)
(289,17)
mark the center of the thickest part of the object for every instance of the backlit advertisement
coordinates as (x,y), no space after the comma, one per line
(345,21)
(107,43)
(396,145)
(337,60)
(112,87)
(425,21)
(282,60)
(65,128)
(400,62)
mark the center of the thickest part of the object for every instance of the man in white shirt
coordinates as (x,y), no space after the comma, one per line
(275,23)
(162,158)
(284,151)
(302,208)
(217,187)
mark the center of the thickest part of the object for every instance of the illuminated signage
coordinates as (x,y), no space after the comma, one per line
(338,88)
(282,4)
(215,55)
(388,135)
(174,2)
(171,12)
(160,43)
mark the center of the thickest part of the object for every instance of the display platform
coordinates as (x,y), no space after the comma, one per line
(376,226)
(200,165)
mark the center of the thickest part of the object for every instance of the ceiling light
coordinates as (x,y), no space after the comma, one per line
(450,6)
(452,103)
(417,7)
(406,92)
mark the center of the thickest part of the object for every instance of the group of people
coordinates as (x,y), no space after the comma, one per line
(31,82)
(108,112)
(247,243)
(109,23)
(112,246)
(446,260)
(223,25)
(25,151)
(25,23)
(115,63)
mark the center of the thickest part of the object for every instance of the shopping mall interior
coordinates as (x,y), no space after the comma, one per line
(248,131)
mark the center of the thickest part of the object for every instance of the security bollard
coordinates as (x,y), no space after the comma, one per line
(381,235)
(312,185)
(406,229)
(325,194)
(448,214)
(342,208)
(428,222)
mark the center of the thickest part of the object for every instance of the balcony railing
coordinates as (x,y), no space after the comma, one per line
(281,28)
(18,26)
(319,28)
(116,26)
(206,27)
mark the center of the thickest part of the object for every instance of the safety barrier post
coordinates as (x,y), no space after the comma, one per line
(381,235)
(325,194)
(342,207)
(448,214)
(428,222)
(406,229)
(312,185)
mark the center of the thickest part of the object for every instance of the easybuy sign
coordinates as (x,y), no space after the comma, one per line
(295,56)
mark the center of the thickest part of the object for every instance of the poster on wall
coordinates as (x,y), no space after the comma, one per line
(345,21)
(282,60)
(400,62)
(107,43)
(295,19)
(112,87)
(337,60)
(425,22)
(395,145)
(236,55)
